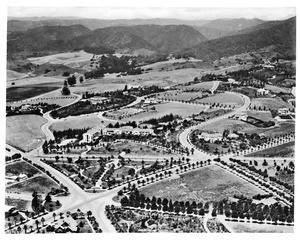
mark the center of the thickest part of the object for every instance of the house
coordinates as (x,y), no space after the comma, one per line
(262,91)
(232,136)
(283,111)
(211,137)
(67,224)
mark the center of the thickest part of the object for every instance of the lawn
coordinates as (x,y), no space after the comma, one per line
(24,131)
(207,184)
(41,184)
(280,129)
(181,109)
(231,124)
(135,149)
(269,103)
(277,89)
(284,150)
(223,98)
(24,92)
(264,116)
(89,121)
(21,167)
(243,227)
(199,86)
(121,171)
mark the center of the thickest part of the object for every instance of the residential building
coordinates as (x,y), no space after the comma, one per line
(211,137)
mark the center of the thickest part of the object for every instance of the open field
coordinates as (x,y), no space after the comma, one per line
(89,121)
(207,184)
(58,81)
(121,171)
(223,98)
(41,184)
(20,167)
(270,103)
(243,227)
(277,89)
(134,148)
(181,109)
(279,129)
(284,150)
(24,131)
(21,93)
(54,97)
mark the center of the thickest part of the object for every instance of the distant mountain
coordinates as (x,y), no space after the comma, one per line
(43,40)
(167,38)
(281,36)
(23,24)
(223,27)
(142,38)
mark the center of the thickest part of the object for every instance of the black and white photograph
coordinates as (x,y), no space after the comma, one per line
(149,119)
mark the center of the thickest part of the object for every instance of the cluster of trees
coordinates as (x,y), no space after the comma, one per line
(69,133)
(144,91)
(65,89)
(71,80)
(167,118)
(13,157)
(118,125)
(259,123)
(38,109)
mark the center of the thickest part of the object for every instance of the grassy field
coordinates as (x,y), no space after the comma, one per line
(282,128)
(276,89)
(20,167)
(270,103)
(24,92)
(13,75)
(41,184)
(24,131)
(264,116)
(135,149)
(76,122)
(284,150)
(223,98)
(242,227)
(121,171)
(207,184)
(163,109)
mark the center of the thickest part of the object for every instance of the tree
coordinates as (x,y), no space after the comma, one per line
(48,198)
(81,79)
(54,215)
(43,221)
(65,90)
(71,80)
(66,74)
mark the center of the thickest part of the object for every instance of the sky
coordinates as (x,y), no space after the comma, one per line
(188,13)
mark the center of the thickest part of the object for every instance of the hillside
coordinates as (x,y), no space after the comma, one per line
(224,27)
(168,38)
(281,36)
(43,40)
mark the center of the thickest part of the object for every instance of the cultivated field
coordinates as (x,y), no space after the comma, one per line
(54,97)
(88,121)
(223,98)
(207,184)
(24,131)
(198,86)
(163,109)
(270,103)
(41,184)
(179,96)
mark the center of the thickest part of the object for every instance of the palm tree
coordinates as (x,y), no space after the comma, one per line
(19,229)
(15,220)
(37,222)
(43,221)
(54,215)
(25,228)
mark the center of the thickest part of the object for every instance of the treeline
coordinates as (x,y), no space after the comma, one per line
(118,125)
(69,133)
(167,118)
(243,208)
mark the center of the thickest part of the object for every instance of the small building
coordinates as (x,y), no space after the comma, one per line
(283,111)
(262,91)
(232,136)
(211,137)
(283,118)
